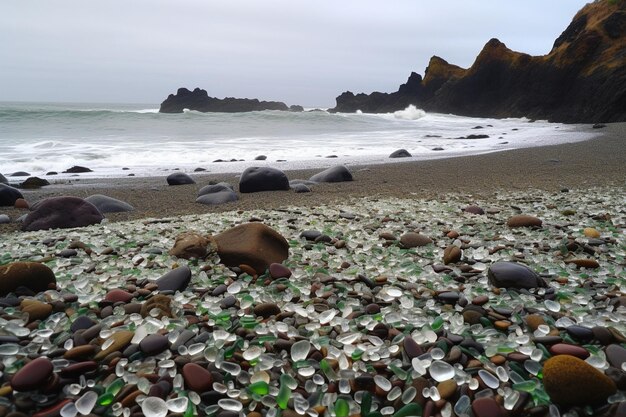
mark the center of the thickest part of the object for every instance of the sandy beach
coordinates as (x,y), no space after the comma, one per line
(596,162)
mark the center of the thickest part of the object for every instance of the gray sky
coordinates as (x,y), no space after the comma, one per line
(299,52)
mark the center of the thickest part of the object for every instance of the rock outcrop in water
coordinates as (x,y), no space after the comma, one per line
(199,100)
(582,79)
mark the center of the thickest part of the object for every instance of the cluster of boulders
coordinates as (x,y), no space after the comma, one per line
(257,179)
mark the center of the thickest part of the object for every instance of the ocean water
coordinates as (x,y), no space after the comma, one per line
(115,140)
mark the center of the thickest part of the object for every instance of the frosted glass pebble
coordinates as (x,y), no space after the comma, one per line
(462,405)
(552,305)
(177,405)
(154,407)
(326,316)
(382,382)
(230,404)
(536,355)
(232,368)
(488,378)
(9,349)
(437,353)
(394,292)
(532,367)
(511,399)
(252,353)
(300,350)
(408,395)
(441,371)
(234,288)
(86,402)
(68,410)
(502,374)
(418,366)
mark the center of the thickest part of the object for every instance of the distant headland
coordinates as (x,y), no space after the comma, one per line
(582,79)
(199,100)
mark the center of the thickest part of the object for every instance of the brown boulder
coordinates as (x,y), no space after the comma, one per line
(452,254)
(523,220)
(571,381)
(61,213)
(191,245)
(412,240)
(253,244)
(32,275)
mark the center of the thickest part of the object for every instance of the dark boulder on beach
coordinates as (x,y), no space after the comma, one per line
(337,173)
(199,100)
(8,195)
(35,276)
(19,174)
(3,179)
(218,197)
(34,182)
(400,153)
(581,80)
(179,178)
(252,244)
(215,188)
(256,179)
(175,280)
(106,204)
(77,169)
(300,188)
(513,275)
(61,213)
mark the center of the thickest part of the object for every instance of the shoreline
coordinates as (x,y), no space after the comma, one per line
(595,162)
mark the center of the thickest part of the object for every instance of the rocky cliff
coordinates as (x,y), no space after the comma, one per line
(199,100)
(582,79)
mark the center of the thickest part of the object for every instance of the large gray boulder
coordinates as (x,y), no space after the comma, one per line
(179,178)
(337,173)
(8,195)
(256,179)
(61,213)
(106,204)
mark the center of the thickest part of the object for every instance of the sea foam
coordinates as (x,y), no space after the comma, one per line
(410,113)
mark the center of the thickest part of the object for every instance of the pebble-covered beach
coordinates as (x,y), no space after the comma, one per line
(383,307)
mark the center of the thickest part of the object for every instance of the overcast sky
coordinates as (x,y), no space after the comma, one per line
(299,52)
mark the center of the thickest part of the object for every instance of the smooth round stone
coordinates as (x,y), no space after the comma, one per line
(372,308)
(33,375)
(76,369)
(487,407)
(616,355)
(4,219)
(591,232)
(566,349)
(154,407)
(179,178)
(36,309)
(580,332)
(474,210)
(523,220)
(452,254)
(176,280)
(197,378)
(81,322)
(120,340)
(449,297)
(311,234)
(412,240)
(118,295)
(32,275)
(441,371)
(400,153)
(570,381)
(513,275)
(602,335)
(411,348)
(447,388)
(480,300)
(279,271)
(153,344)
(266,310)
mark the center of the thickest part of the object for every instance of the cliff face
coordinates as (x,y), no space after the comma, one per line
(582,79)
(199,100)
